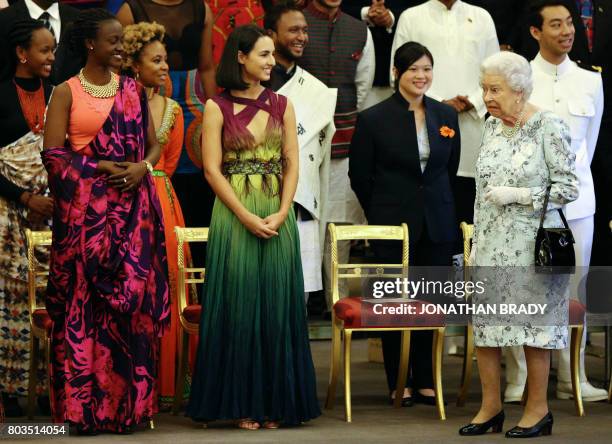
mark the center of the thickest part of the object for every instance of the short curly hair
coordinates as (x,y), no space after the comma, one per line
(515,69)
(136,37)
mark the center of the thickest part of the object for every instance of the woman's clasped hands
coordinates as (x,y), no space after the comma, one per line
(503,195)
(263,227)
(124,176)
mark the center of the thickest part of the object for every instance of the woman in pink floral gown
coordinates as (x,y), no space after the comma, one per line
(108,289)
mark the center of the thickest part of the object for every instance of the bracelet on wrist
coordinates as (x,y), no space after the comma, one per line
(149,166)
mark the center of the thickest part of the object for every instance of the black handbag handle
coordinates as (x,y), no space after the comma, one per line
(545,208)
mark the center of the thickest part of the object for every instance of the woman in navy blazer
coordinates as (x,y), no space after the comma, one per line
(404,157)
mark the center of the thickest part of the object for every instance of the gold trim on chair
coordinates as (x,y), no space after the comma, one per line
(468,344)
(358,271)
(187,276)
(36,279)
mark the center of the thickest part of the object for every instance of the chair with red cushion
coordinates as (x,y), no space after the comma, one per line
(189,311)
(351,314)
(40,321)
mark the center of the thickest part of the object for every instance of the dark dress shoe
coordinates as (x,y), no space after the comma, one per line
(422,399)
(407,401)
(495,424)
(542,428)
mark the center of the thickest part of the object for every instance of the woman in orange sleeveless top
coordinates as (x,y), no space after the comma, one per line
(146,60)
(107,292)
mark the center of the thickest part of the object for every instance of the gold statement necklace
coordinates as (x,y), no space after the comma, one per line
(100,91)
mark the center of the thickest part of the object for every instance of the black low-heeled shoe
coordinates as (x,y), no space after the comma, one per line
(495,424)
(542,428)
(419,398)
(407,401)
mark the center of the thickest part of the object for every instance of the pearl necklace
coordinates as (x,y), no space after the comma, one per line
(511,132)
(100,91)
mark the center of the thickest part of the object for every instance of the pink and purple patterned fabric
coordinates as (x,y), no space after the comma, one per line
(108,290)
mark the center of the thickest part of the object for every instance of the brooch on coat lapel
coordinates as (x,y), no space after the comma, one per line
(445,131)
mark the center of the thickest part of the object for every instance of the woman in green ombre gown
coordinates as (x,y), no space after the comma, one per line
(254,363)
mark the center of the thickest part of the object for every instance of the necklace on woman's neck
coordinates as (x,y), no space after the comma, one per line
(511,132)
(32,106)
(100,91)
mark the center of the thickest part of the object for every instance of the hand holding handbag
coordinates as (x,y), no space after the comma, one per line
(554,247)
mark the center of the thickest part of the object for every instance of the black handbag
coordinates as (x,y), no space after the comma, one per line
(554,247)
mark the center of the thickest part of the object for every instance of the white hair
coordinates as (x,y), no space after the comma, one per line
(514,68)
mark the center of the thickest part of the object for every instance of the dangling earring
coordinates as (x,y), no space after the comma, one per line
(23,60)
(90,48)
(137,76)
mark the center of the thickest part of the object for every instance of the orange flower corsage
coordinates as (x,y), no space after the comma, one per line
(445,131)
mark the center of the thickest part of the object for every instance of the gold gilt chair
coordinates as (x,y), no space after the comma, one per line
(189,311)
(40,321)
(347,313)
(468,344)
(576,325)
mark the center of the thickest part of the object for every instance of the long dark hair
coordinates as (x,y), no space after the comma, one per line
(243,39)
(406,55)
(85,27)
(20,35)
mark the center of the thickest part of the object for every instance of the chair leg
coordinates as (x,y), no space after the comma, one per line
(179,385)
(334,365)
(402,371)
(610,391)
(347,373)
(438,348)
(34,351)
(575,342)
(48,368)
(466,378)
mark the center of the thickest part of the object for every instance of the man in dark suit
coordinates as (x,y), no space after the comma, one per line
(57,17)
(380,15)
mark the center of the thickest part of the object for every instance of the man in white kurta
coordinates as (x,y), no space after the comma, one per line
(575,94)
(314,113)
(314,105)
(459,36)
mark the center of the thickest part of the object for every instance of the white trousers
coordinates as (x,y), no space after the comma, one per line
(516,368)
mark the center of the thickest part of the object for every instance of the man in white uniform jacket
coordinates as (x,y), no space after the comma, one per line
(314,105)
(575,94)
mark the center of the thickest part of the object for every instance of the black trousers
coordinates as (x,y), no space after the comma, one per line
(423,252)
(465,195)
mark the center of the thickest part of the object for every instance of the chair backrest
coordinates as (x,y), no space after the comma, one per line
(37,277)
(186,273)
(468,233)
(355,270)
